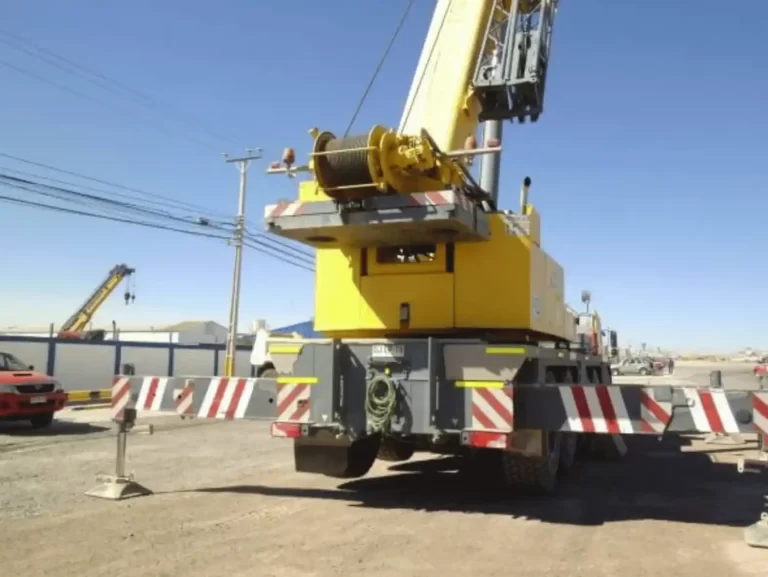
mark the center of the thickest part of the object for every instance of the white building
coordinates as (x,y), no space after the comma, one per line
(183,333)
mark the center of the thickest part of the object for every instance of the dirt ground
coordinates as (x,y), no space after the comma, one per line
(227,502)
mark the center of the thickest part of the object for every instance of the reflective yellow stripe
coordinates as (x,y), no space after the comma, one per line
(480,384)
(284,349)
(296,380)
(95,395)
(505,350)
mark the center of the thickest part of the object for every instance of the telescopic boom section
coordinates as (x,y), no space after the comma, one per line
(482,60)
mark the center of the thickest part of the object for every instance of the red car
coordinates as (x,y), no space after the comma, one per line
(28,395)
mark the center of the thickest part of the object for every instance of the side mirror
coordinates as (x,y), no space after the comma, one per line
(614,340)
(614,352)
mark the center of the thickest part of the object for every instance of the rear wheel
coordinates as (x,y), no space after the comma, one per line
(268,372)
(41,421)
(395,450)
(536,475)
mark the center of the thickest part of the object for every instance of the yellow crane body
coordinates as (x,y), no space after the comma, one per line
(407,243)
(362,291)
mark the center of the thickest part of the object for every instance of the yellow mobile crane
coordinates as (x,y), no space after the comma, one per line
(438,302)
(74,327)
(444,322)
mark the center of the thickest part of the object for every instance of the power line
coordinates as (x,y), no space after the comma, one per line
(84,187)
(54,208)
(151,195)
(106,82)
(66,210)
(380,64)
(85,198)
(108,183)
(102,103)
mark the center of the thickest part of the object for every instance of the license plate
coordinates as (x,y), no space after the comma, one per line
(38,400)
(388,351)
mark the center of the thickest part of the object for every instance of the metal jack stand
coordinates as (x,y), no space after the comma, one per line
(121,486)
(756,535)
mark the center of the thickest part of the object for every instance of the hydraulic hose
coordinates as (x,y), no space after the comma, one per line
(380,402)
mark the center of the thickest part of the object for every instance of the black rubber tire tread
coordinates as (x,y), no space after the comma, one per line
(533,475)
(530,475)
(394,450)
(361,455)
(41,421)
(268,374)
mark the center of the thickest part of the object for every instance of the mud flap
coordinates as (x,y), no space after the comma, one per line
(340,459)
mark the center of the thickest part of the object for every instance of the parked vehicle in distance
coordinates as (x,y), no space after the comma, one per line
(761,368)
(642,367)
(26,394)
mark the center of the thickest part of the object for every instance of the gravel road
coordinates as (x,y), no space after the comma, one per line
(227,502)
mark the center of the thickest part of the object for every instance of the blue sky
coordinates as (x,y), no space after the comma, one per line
(645,165)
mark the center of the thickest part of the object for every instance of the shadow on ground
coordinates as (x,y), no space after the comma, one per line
(655,481)
(24,429)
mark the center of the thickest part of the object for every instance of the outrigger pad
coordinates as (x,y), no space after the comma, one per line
(117,488)
(339,461)
(756,535)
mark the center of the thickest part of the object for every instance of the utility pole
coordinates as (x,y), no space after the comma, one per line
(243,163)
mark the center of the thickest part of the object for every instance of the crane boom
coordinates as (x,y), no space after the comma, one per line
(80,319)
(497,50)
(482,60)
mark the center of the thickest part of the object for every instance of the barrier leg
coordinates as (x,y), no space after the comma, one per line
(120,486)
(756,535)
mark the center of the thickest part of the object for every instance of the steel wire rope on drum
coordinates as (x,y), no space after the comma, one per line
(346,165)
(380,402)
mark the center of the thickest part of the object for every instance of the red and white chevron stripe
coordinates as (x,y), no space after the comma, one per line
(760,415)
(226,398)
(293,402)
(439,198)
(492,409)
(654,415)
(183,398)
(602,409)
(121,396)
(711,411)
(151,394)
(283,208)
(598,409)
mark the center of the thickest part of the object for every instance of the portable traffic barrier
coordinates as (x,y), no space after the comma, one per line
(121,485)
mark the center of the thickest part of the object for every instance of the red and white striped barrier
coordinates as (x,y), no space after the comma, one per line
(121,396)
(492,409)
(151,394)
(293,402)
(226,398)
(183,399)
(597,409)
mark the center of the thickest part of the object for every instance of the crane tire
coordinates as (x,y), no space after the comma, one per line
(361,455)
(534,475)
(395,450)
